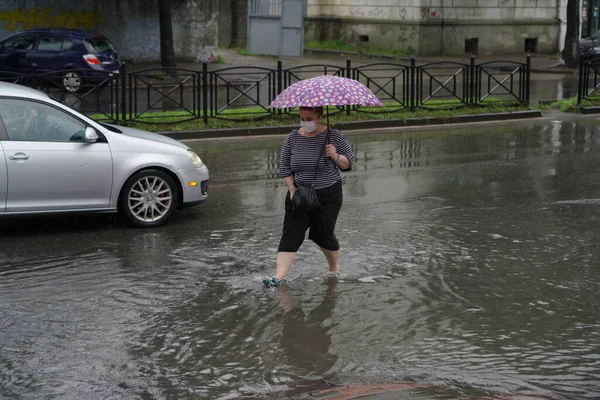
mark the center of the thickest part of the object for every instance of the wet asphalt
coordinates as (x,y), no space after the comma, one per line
(469,261)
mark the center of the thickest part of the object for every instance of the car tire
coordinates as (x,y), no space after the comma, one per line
(72,81)
(148,198)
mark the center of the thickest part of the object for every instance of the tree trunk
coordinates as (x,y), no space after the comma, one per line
(234,24)
(571,51)
(167,51)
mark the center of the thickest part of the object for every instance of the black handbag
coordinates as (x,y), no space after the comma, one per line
(305,197)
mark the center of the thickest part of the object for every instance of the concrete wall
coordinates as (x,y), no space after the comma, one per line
(433,27)
(132,25)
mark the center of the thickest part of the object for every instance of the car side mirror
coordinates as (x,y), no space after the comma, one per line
(91,136)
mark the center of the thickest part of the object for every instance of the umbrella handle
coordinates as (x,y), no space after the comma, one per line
(328,127)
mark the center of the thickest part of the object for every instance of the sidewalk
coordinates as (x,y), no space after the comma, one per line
(540,63)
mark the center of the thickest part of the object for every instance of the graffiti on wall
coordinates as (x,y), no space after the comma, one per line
(454,35)
(371,12)
(428,13)
(19,19)
(407,34)
(386,12)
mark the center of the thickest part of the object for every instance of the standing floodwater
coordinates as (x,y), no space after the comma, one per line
(469,262)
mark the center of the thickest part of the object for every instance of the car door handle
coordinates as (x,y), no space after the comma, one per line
(19,157)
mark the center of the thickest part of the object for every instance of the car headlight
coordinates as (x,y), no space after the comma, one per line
(195,158)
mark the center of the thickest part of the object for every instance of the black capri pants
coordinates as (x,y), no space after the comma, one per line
(321,221)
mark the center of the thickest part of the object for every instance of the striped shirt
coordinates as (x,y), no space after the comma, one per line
(299,156)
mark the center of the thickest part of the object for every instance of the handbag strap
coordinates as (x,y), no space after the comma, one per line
(319,159)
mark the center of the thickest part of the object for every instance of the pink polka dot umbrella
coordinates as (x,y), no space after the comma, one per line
(326,90)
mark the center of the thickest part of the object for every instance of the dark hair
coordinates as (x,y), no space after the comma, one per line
(318,110)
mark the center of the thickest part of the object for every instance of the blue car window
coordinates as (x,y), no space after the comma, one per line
(50,43)
(21,42)
(100,44)
(66,44)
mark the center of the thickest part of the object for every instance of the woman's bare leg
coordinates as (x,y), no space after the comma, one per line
(333,259)
(284,263)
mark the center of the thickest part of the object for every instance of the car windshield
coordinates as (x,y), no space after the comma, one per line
(100,44)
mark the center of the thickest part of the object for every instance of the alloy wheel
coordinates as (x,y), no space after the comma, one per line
(72,81)
(150,199)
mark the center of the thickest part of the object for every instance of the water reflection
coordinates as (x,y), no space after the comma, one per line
(304,338)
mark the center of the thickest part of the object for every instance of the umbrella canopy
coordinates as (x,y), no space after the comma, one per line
(326,90)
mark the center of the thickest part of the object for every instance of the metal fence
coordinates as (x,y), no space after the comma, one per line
(162,96)
(589,78)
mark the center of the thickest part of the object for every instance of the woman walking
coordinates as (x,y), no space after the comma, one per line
(312,155)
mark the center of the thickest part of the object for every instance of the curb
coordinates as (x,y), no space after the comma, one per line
(366,124)
(590,110)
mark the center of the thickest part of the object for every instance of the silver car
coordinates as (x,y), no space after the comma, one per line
(54,160)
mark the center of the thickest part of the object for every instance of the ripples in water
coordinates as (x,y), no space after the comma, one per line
(458,270)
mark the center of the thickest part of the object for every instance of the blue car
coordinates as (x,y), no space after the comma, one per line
(70,57)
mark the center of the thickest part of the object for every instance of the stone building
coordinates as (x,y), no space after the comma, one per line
(442,27)
(132,25)
(423,27)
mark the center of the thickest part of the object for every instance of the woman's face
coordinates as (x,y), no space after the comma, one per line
(310,115)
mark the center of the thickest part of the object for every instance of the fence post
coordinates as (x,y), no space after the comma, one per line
(528,79)
(279,82)
(132,96)
(205,93)
(123,85)
(472,82)
(348,75)
(349,68)
(580,86)
(279,77)
(412,84)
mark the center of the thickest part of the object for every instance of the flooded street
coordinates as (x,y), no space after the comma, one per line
(469,262)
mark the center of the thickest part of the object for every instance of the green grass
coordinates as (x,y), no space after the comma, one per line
(170,120)
(360,48)
(570,104)
(221,60)
(565,105)
(243,51)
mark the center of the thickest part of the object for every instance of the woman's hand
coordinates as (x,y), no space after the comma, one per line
(331,151)
(341,161)
(289,182)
